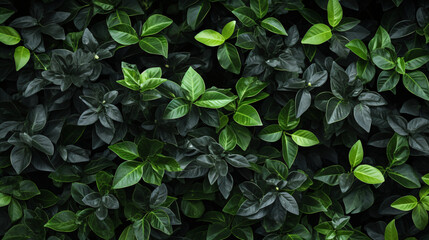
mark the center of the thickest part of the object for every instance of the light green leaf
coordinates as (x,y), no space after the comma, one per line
(425,178)
(273,25)
(390,233)
(304,138)
(228,138)
(162,162)
(317,34)
(228,29)
(368,174)
(229,58)
(154,24)
(214,99)
(420,217)
(193,83)
(335,12)
(210,38)
(127,174)
(247,115)
(9,36)
(151,83)
(406,203)
(155,45)
(177,108)
(356,154)
(21,56)
(358,48)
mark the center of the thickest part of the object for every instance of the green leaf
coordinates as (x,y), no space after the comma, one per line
(273,25)
(405,175)
(193,83)
(415,58)
(406,203)
(335,12)
(337,110)
(218,231)
(15,210)
(271,133)
(9,36)
(249,87)
(5,14)
(387,80)
(154,24)
(356,154)
(400,65)
(4,199)
(425,178)
(383,59)
(192,209)
(214,99)
(228,29)
(390,233)
(228,138)
(126,150)
(27,190)
(118,17)
(165,163)
(330,175)
(160,220)
(247,115)
(21,56)
(151,83)
(358,48)
(287,118)
(65,221)
(245,15)
(157,45)
(127,174)
(380,40)
(210,38)
(259,7)
(244,136)
(420,217)
(196,14)
(124,34)
(397,150)
(177,108)
(141,230)
(304,138)
(417,83)
(317,34)
(229,58)
(289,150)
(152,174)
(368,174)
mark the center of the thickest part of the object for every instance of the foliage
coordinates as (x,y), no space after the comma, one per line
(214,119)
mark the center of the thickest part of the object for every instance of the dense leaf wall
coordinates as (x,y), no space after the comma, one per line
(214,119)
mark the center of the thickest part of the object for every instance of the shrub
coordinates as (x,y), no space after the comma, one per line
(214,119)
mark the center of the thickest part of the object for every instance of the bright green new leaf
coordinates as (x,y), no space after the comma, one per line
(228,29)
(247,115)
(317,34)
(4,199)
(368,174)
(390,233)
(210,38)
(273,25)
(124,34)
(228,138)
(21,56)
(214,99)
(193,83)
(335,12)
(425,178)
(358,48)
(406,203)
(304,138)
(9,36)
(356,154)
(155,24)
